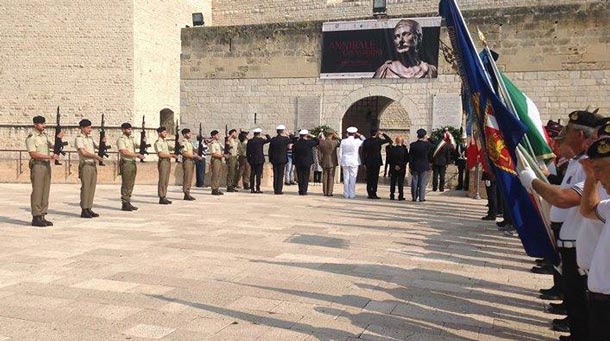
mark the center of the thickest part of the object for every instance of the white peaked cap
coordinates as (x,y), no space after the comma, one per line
(352,130)
(304,132)
(280,127)
(257,130)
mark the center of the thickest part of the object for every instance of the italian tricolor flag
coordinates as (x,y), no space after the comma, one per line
(530,116)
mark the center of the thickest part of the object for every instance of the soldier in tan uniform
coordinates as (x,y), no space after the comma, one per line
(164,164)
(87,169)
(126,144)
(189,154)
(38,145)
(242,158)
(216,155)
(231,160)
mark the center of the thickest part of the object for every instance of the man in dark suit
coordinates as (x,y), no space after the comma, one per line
(371,158)
(397,158)
(278,156)
(303,158)
(440,160)
(419,164)
(460,162)
(256,159)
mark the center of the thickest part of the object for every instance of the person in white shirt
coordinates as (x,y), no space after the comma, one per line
(349,159)
(597,169)
(581,131)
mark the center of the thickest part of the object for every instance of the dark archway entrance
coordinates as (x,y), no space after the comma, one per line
(377,112)
(166,119)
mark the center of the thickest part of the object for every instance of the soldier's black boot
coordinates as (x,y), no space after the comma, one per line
(164,201)
(188,197)
(85,214)
(126,207)
(93,214)
(230,189)
(48,223)
(132,207)
(37,221)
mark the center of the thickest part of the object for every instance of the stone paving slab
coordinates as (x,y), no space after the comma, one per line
(247,267)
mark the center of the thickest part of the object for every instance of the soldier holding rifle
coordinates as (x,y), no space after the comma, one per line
(127,164)
(164,164)
(87,170)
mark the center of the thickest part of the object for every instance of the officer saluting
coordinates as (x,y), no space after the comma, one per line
(38,146)
(87,169)
(127,165)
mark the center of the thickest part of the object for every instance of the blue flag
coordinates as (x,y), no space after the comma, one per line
(501,134)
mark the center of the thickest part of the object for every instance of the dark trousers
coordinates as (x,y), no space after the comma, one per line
(199,172)
(438,177)
(492,204)
(461,166)
(599,319)
(303,178)
(372,179)
(574,295)
(317,177)
(255,177)
(278,177)
(557,281)
(397,178)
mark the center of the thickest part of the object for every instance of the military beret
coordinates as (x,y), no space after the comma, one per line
(38,119)
(185,131)
(84,123)
(585,118)
(126,125)
(604,127)
(600,148)
(161,129)
(213,132)
(553,128)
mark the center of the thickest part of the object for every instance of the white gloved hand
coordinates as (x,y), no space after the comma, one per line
(527,176)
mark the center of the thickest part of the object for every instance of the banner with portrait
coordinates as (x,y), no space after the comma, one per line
(389,48)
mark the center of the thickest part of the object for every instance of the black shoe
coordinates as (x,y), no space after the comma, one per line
(279,193)
(550,291)
(543,270)
(124,207)
(188,197)
(501,223)
(216,192)
(550,297)
(133,208)
(38,222)
(85,214)
(561,325)
(93,214)
(258,191)
(252,191)
(422,200)
(413,199)
(542,261)
(488,217)
(401,198)
(376,197)
(230,189)
(246,187)
(164,201)
(556,308)
(434,190)
(565,338)
(391,197)
(47,223)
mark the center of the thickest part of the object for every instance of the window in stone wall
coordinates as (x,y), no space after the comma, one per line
(167,120)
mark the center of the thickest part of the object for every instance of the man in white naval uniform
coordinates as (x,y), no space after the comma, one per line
(349,159)
(595,207)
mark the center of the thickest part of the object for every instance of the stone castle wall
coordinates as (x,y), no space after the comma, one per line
(557,55)
(237,12)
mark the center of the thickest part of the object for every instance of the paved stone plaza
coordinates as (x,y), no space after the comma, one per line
(263,267)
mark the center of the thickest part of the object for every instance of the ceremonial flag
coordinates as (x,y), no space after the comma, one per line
(530,116)
(501,134)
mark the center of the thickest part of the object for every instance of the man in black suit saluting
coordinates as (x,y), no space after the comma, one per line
(371,158)
(278,148)
(256,159)
(303,158)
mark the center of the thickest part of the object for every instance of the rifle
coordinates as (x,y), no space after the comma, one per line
(227,146)
(58,146)
(200,139)
(102,150)
(177,146)
(143,144)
